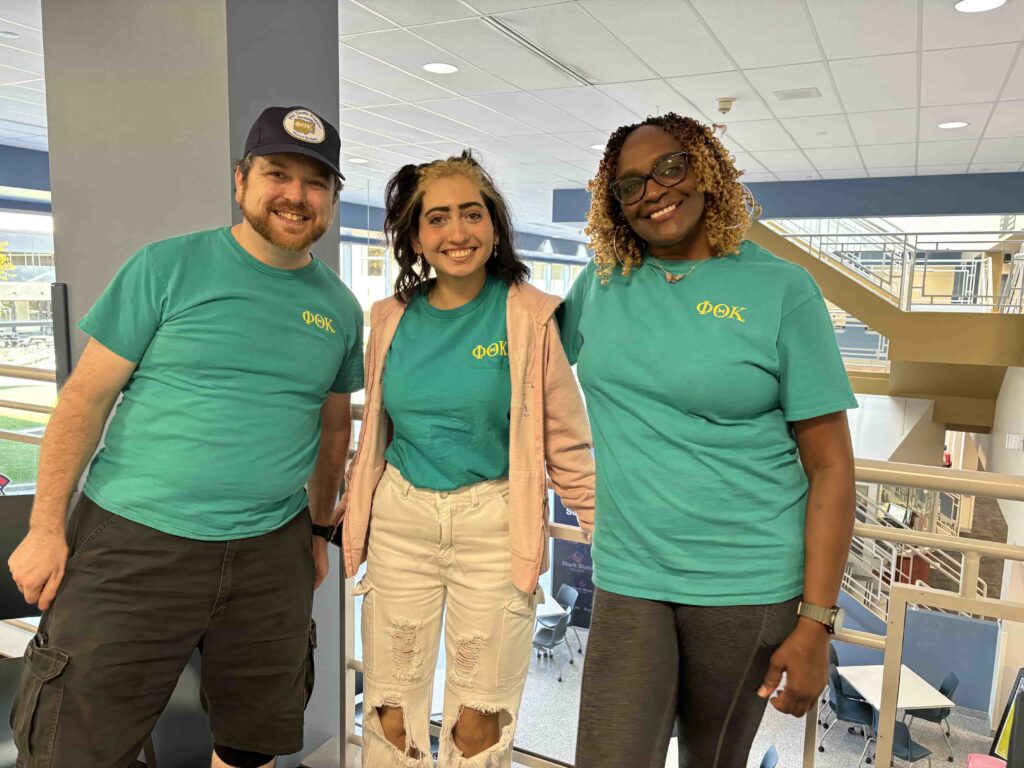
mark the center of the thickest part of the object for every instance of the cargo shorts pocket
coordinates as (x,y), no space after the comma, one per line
(365,588)
(37,703)
(515,646)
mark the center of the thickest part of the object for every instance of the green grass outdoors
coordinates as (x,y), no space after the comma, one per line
(18,460)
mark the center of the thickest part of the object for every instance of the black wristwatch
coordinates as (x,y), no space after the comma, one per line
(324,531)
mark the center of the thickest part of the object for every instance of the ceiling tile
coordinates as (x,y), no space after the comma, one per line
(365,70)
(848,173)
(368,121)
(820,131)
(404,50)
(404,13)
(14,75)
(554,147)
(493,52)
(834,158)
(577,39)
(773,79)
(799,176)
(589,105)
(743,31)
(1007,120)
(993,167)
(39,145)
(478,116)
(1000,151)
(585,139)
(425,120)
(693,50)
(356,95)
(889,155)
(500,6)
(755,177)
(532,111)
(945,27)
(31,40)
(784,160)
(27,13)
(747,164)
(510,151)
(848,30)
(892,127)
(364,137)
(975,114)
(12,134)
(703,91)
(760,135)
(941,170)
(946,152)
(1014,88)
(18,93)
(964,75)
(873,84)
(902,170)
(651,97)
(353,19)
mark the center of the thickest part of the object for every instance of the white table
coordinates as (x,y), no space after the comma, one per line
(915,692)
(549,608)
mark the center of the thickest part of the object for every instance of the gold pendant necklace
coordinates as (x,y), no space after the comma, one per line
(673,277)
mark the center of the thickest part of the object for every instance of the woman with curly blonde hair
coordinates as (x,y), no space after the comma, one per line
(725,495)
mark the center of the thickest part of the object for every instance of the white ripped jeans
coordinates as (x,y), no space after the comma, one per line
(430,551)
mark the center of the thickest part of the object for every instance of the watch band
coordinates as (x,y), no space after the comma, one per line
(324,531)
(825,616)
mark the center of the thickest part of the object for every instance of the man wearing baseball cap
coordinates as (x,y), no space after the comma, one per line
(203,522)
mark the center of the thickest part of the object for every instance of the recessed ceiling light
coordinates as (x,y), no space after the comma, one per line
(598,147)
(358,160)
(978,6)
(8,33)
(439,68)
(953,124)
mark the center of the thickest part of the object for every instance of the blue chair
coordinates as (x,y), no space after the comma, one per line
(771,758)
(844,708)
(566,597)
(549,638)
(903,747)
(938,716)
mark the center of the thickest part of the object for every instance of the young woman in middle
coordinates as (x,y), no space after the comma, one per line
(470,405)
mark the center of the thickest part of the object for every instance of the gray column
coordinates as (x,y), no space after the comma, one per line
(148,104)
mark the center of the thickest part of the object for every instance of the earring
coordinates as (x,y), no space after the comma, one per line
(494,250)
(750,204)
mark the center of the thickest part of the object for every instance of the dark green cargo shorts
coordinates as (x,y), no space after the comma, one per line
(134,605)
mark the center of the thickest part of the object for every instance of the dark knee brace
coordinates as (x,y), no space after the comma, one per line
(240,758)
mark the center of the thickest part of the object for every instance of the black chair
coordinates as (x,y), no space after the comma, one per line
(903,747)
(844,708)
(938,716)
(548,638)
(566,597)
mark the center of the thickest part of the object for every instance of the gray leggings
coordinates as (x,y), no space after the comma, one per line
(650,664)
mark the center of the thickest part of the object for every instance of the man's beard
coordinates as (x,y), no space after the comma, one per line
(259,220)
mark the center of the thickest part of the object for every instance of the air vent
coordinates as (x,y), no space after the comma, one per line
(795,94)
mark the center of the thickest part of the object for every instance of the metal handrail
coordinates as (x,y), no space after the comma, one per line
(26,372)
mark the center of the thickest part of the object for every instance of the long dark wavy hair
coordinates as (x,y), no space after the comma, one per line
(404,202)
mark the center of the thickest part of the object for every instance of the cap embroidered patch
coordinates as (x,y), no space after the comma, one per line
(304,126)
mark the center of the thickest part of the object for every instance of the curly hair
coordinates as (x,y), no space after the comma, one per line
(728,205)
(404,202)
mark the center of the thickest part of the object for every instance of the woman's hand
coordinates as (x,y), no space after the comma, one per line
(803,656)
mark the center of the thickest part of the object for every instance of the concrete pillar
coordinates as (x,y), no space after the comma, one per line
(148,104)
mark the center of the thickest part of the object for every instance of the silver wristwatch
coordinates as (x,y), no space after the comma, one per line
(832,618)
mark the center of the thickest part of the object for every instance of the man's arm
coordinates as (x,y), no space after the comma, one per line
(74,430)
(335,433)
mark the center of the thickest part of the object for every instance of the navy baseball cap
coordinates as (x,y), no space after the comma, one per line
(295,129)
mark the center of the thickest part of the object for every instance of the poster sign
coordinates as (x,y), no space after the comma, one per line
(571,564)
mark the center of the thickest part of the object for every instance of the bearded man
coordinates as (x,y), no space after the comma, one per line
(234,352)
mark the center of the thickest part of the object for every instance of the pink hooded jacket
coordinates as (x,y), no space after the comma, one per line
(548,434)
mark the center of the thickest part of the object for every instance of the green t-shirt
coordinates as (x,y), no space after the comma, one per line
(219,426)
(690,387)
(447,389)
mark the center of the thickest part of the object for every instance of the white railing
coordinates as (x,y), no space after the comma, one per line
(900,595)
(912,270)
(29,374)
(873,352)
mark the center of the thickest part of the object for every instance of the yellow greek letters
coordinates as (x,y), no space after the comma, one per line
(320,321)
(721,311)
(479,351)
(504,348)
(494,349)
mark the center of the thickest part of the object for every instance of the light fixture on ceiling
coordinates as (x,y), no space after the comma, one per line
(9,33)
(978,6)
(358,161)
(952,124)
(440,68)
(598,147)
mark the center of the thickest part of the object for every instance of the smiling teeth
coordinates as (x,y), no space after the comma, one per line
(290,216)
(663,211)
(460,254)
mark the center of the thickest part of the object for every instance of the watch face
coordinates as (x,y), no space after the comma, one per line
(838,618)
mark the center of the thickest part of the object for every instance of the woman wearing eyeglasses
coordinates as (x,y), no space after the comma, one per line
(725,492)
